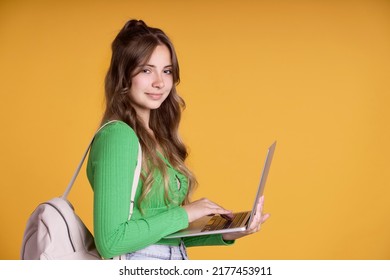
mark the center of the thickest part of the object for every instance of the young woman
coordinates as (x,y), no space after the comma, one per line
(140,89)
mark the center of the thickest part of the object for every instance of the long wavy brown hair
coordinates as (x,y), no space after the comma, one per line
(133,46)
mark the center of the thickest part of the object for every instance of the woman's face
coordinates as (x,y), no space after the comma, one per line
(153,83)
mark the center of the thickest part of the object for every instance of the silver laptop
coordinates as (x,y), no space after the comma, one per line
(220,224)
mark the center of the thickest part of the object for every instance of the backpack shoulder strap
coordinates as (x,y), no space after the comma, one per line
(136,173)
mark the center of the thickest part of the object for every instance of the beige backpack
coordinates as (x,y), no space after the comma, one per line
(55,232)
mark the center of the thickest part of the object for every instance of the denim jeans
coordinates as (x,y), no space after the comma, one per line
(159,252)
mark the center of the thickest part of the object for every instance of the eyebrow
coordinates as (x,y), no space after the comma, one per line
(154,66)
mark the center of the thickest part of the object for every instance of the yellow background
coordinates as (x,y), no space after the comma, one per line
(313,75)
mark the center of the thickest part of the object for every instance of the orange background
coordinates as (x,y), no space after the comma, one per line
(313,75)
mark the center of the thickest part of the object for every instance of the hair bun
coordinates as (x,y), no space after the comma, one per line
(134,23)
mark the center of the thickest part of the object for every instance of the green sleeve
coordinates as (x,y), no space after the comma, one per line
(110,170)
(206,240)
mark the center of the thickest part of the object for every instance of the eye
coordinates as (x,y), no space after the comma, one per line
(146,70)
(168,71)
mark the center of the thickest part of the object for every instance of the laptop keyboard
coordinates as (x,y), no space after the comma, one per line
(217,222)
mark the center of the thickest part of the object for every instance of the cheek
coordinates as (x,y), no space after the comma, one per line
(135,90)
(137,84)
(169,83)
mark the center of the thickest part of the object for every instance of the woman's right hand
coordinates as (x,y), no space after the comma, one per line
(204,207)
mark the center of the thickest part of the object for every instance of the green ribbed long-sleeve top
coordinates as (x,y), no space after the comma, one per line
(110,170)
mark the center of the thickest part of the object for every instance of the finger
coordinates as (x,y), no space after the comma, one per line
(258,215)
(217,206)
(261,202)
(210,204)
(259,219)
(210,209)
(265,217)
(254,224)
(222,211)
(217,209)
(257,227)
(227,216)
(259,206)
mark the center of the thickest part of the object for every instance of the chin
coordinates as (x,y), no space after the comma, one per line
(155,107)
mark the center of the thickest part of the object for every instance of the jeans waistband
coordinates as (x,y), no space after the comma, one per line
(158,252)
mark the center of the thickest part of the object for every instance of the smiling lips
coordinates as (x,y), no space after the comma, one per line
(155,96)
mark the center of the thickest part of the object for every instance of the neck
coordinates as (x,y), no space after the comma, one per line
(144,116)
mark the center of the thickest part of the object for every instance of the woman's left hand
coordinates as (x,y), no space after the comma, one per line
(254,226)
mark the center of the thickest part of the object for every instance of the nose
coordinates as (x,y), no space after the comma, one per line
(158,82)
